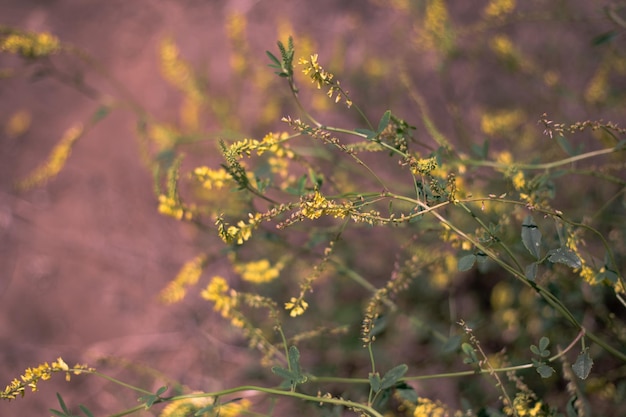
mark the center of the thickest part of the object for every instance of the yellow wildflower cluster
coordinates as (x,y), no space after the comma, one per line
(526,406)
(296,306)
(56,160)
(272,142)
(188,275)
(212,178)
(316,206)
(442,273)
(429,408)
(260,271)
(43,372)
(241,232)
(434,32)
(30,45)
(187,407)
(236,32)
(221,295)
(190,406)
(169,206)
(598,88)
(234,409)
(497,9)
(501,122)
(321,77)
(177,71)
(423,166)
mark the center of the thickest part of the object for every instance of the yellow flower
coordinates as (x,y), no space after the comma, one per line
(501,122)
(218,292)
(56,160)
(30,45)
(168,206)
(43,372)
(429,408)
(499,8)
(187,276)
(315,206)
(212,178)
(186,407)
(259,271)
(297,306)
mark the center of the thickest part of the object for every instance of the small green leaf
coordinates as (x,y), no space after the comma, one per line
(393,375)
(205,410)
(161,390)
(369,134)
(85,410)
(62,404)
(565,256)
(544,342)
(406,392)
(545,371)
(384,122)
(285,374)
(531,271)
(470,353)
(100,113)
(565,145)
(375,381)
(531,236)
(583,364)
(534,349)
(466,262)
(605,37)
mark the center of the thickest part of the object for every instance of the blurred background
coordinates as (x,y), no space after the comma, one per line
(84,257)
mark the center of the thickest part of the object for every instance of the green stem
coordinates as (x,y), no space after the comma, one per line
(547,165)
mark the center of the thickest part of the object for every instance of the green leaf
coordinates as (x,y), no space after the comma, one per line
(100,113)
(564,256)
(375,381)
(470,353)
(544,342)
(406,392)
(466,262)
(384,122)
(531,271)
(545,371)
(369,134)
(605,37)
(205,410)
(393,375)
(583,364)
(565,145)
(85,410)
(481,150)
(273,59)
(531,236)
(294,359)
(62,404)
(285,374)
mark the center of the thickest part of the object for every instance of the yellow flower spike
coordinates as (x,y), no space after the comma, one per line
(188,275)
(497,9)
(296,306)
(259,272)
(56,160)
(43,372)
(30,45)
